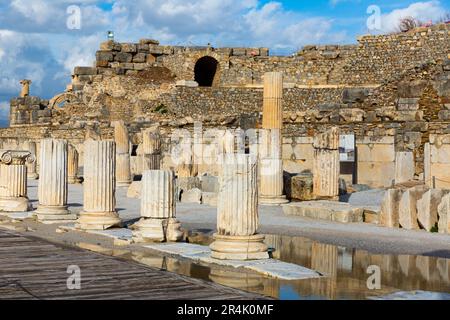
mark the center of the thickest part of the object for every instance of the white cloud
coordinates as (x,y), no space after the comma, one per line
(422,11)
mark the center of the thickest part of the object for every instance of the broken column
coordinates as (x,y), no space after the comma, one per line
(389,214)
(25,92)
(237,212)
(52,190)
(99,210)
(326,167)
(151,142)
(123,166)
(72,165)
(13,180)
(273,100)
(427,208)
(444,213)
(31,166)
(271,168)
(158,222)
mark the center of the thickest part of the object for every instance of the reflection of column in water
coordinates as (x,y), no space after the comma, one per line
(324,258)
(345,259)
(406,263)
(426,266)
(444,269)
(238,280)
(290,249)
(274,241)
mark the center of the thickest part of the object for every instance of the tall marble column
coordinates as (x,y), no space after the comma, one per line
(123,166)
(99,210)
(273,101)
(151,143)
(326,167)
(237,212)
(52,190)
(158,221)
(271,168)
(13,180)
(31,166)
(72,165)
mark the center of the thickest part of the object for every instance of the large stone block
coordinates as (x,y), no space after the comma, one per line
(389,215)
(427,208)
(376,152)
(123,57)
(444,213)
(354,95)
(85,71)
(404,167)
(325,210)
(300,187)
(408,207)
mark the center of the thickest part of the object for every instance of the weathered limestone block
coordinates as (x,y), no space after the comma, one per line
(99,190)
(123,166)
(13,180)
(273,101)
(158,221)
(444,214)
(72,165)
(52,206)
(326,166)
(325,210)
(237,212)
(134,190)
(427,208)
(299,187)
(389,215)
(31,166)
(151,158)
(408,207)
(404,167)
(192,196)
(271,168)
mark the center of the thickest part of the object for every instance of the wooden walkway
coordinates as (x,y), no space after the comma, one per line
(34,269)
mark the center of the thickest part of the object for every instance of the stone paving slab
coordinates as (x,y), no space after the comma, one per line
(270,267)
(414,295)
(18,215)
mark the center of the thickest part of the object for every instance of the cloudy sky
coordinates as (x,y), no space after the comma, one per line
(41,40)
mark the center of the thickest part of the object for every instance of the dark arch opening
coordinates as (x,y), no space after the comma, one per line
(205,71)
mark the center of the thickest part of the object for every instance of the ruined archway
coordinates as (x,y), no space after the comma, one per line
(206,70)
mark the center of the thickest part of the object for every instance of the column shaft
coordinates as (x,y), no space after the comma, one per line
(123,166)
(273,100)
(72,165)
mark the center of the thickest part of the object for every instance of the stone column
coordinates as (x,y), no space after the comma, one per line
(158,221)
(326,165)
(31,166)
(13,180)
(273,101)
(52,206)
(271,168)
(151,143)
(237,212)
(72,165)
(123,168)
(99,211)
(25,92)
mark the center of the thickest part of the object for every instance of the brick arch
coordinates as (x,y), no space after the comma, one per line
(222,64)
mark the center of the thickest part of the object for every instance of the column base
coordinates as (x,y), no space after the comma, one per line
(149,230)
(54,214)
(20,204)
(98,220)
(123,184)
(73,180)
(272,201)
(33,176)
(239,247)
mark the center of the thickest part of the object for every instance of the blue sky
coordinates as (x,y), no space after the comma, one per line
(35,42)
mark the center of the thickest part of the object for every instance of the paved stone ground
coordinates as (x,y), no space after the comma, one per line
(272,220)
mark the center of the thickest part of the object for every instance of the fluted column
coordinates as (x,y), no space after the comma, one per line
(123,166)
(72,165)
(99,186)
(158,221)
(31,166)
(326,165)
(151,143)
(237,211)
(273,101)
(271,168)
(13,180)
(53,182)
